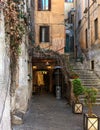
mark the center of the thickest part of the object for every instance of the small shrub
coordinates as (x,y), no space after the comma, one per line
(78,89)
(90,98)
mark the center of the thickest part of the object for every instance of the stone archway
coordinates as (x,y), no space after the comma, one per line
(43,58)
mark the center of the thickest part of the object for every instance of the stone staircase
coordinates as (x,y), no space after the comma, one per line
(88,78)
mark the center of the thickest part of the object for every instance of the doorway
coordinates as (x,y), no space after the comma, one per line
(92,65)
(42,82)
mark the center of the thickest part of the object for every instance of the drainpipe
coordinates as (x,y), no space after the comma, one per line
(75,46)
(74,29)
(88,23)
(88,14)
(88,26)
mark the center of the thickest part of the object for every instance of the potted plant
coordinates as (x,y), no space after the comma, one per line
(91,121)
(73,75)
(78,90)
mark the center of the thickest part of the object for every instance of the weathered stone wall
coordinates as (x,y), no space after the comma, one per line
(24,89)
(94,13)
(5,123)
(92,52)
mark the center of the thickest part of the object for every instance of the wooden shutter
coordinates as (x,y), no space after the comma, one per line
(47,34)
(40,34)
(96,28)
(49,4)
(46,39)
(39,5)
(86,38)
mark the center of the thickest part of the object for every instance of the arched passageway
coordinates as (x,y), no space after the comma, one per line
(46,76)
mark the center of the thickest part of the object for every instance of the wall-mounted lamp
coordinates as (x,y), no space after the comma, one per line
(49,67)
(47,63)
(34,67)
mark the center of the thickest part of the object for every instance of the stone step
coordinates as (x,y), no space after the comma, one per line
(87,77)
(90,83)
(82,70)
(90,86)
(97,100)
(82,96)
(91,80)
(95,104)
(98,80)
(86,73)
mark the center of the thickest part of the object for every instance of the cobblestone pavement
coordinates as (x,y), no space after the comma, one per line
(48,113)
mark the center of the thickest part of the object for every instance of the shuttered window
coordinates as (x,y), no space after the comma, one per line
(44,33)
(44,5)
(86,38)
(68,0)
(96,28)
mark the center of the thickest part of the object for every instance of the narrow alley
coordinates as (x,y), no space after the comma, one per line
(49,65)
(48,113)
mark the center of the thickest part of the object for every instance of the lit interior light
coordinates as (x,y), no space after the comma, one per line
(49,67)
(34,67)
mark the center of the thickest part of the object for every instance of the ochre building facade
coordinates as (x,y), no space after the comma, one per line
(49,24)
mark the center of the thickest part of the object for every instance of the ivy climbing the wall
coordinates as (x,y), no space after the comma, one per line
(15,28)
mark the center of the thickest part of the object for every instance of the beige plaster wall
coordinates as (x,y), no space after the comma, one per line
(54,19)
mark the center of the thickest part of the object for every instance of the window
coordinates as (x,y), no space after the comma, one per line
(44,33)
(69,1)
(44,5)
(96,28)
(72,18)
(86,38)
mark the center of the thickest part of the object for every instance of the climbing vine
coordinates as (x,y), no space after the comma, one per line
(15,27)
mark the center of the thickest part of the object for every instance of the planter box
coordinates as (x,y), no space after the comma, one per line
(77,108)
(74,77)
(91,123)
